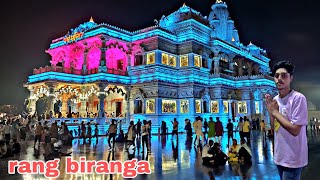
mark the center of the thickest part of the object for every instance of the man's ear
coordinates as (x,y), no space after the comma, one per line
(291,78)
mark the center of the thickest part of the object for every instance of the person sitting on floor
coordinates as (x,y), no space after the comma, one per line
(3,149)
(245,153)
(16,147)
(233,151)
(51,151)
(207,155)
(220,158)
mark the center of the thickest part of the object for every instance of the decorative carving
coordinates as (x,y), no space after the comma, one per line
(205,95)
(139,95)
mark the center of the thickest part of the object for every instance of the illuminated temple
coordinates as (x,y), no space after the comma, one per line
(186,65)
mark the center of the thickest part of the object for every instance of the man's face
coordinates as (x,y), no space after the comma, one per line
(282,78)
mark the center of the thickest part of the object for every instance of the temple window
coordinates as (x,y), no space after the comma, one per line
(242,107)
(197,60)
(151,58)
(198,106)
(184,106)
(172,61)
(224,65)
(184,61)
(204,63)
(138,58)
(165,58)
(168,60)
(169,106)
(120,64)
(214,107)
(150,106)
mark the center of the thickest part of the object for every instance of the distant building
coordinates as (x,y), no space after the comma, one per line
(10,109)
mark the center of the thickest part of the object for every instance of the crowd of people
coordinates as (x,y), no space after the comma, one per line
(208,136)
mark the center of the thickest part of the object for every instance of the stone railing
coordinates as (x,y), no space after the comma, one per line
(246,77)
(77,121)
(78,72)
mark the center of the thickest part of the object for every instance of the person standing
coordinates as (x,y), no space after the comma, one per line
(145,135)
(188,128)
(212,128)
(138,128)
(246,129)
(38,134)
(289,119)
(205,126)
(240,127)
(219,129)
(263,129)
(198,130)
(175,127)
(7,129)
(112,134)
(230,131)
(131,134)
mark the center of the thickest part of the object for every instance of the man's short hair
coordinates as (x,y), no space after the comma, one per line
(284,64)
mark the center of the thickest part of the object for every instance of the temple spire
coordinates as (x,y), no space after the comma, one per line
(91,19)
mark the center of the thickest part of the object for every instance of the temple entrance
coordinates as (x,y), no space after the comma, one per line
(57,106)
(233,109)
(118,108)
(120,64)
(115,101)
(42,105)
(205,107)
(137,106)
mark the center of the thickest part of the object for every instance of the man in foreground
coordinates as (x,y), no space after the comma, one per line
(289,118)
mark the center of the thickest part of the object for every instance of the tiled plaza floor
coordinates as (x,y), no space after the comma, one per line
(173,159)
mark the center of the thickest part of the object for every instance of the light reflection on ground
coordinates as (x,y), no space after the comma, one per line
(169,159)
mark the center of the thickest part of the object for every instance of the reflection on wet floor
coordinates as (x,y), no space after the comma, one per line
(170,158)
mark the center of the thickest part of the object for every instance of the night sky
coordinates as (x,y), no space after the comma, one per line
(287,29)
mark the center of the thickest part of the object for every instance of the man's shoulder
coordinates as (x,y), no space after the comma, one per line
(298,95)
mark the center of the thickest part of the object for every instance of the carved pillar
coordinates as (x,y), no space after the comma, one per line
(129,55)
(245,95)
(32,101)
(64,108)
(240,67)
(216,61)
(230,109)
(250,68)
(102,96)
(103,51)
(209,63)
(83,107)
(51,88)
(84,65)
(128,92)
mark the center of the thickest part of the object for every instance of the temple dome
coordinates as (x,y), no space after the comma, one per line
(182,14)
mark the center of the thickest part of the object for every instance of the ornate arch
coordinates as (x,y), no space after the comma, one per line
(139,95)
(205,96)
(115,89)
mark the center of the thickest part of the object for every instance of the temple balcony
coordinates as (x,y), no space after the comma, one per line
(61,69)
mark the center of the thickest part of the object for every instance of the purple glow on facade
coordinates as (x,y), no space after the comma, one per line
(93,57)
(73,55)
(116,59)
